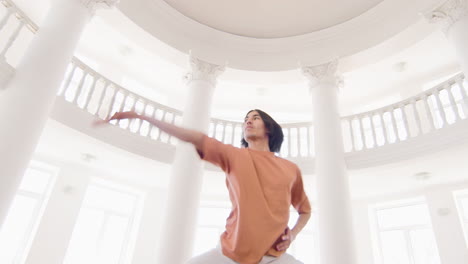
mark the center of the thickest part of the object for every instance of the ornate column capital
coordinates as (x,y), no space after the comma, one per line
(448,14)
(93,5)
(327,72)
(202,70)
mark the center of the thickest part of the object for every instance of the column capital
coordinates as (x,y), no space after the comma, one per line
(93,5)
(448,14)
(202,70)
(327,72)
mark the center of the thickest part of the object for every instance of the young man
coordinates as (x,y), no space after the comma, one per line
(262,187)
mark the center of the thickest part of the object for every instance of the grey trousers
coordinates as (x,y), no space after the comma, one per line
(215,256)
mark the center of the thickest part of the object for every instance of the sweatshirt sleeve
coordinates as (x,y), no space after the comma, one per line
(217,153)
(299,199)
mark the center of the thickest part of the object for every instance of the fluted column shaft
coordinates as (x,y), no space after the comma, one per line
(336,238)
(180,219)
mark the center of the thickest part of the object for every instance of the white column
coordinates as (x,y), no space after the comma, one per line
(336,240)
(150,228)
(453,17)
(26,102)
(447,227)
(52,239)
(178,230)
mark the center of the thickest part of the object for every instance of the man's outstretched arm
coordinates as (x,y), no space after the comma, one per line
(187,135)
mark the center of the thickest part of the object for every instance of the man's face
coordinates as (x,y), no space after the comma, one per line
(253,126)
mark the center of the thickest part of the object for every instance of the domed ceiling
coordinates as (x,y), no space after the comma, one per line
(271,18)
(274,35)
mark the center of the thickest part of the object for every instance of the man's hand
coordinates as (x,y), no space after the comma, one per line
(117,116)
(285,240)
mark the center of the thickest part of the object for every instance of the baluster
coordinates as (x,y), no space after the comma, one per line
(122,105)
(7,16)
(289,142)
(464,96)
(223,134)
(309,153)
(153,127)
(67,81)
(90,92)
(417,117)
(101,97)
(441,108)
(145,105)
(384,128)
(80,87)
(405,120)
(132,108)
(394,125)
(172,122)
(429,114)
(112,102)
(142,122)
(363,136)
(374,133)
(353,142)
(298,141)
(162,119)
(215,127)
(234,125)
(12,38)
(453,104)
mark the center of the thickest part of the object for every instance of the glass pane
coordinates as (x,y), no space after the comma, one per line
(109,199)
(403,216)
(110,247)
(35,181)
(424,247)
(105,227)
(82,247)
(16,228)
(394,247)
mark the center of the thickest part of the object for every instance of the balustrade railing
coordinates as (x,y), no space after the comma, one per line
(14,25)
(430,110)
(433,109)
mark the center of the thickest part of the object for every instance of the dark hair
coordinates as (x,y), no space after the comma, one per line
(274,131)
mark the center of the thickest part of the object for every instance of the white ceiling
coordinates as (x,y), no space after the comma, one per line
(271,18)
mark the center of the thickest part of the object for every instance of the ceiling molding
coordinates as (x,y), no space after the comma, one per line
(276,54)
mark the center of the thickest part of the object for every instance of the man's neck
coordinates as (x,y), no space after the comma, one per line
(261,145)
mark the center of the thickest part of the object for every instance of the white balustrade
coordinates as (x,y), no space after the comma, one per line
(12,23)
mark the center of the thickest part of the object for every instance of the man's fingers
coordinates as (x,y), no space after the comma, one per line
(282,246)
(99,122)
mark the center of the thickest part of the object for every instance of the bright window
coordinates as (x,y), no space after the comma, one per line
(404,233)
(106,228)
(25,213)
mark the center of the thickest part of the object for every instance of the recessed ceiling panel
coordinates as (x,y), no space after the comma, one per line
(271,18)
